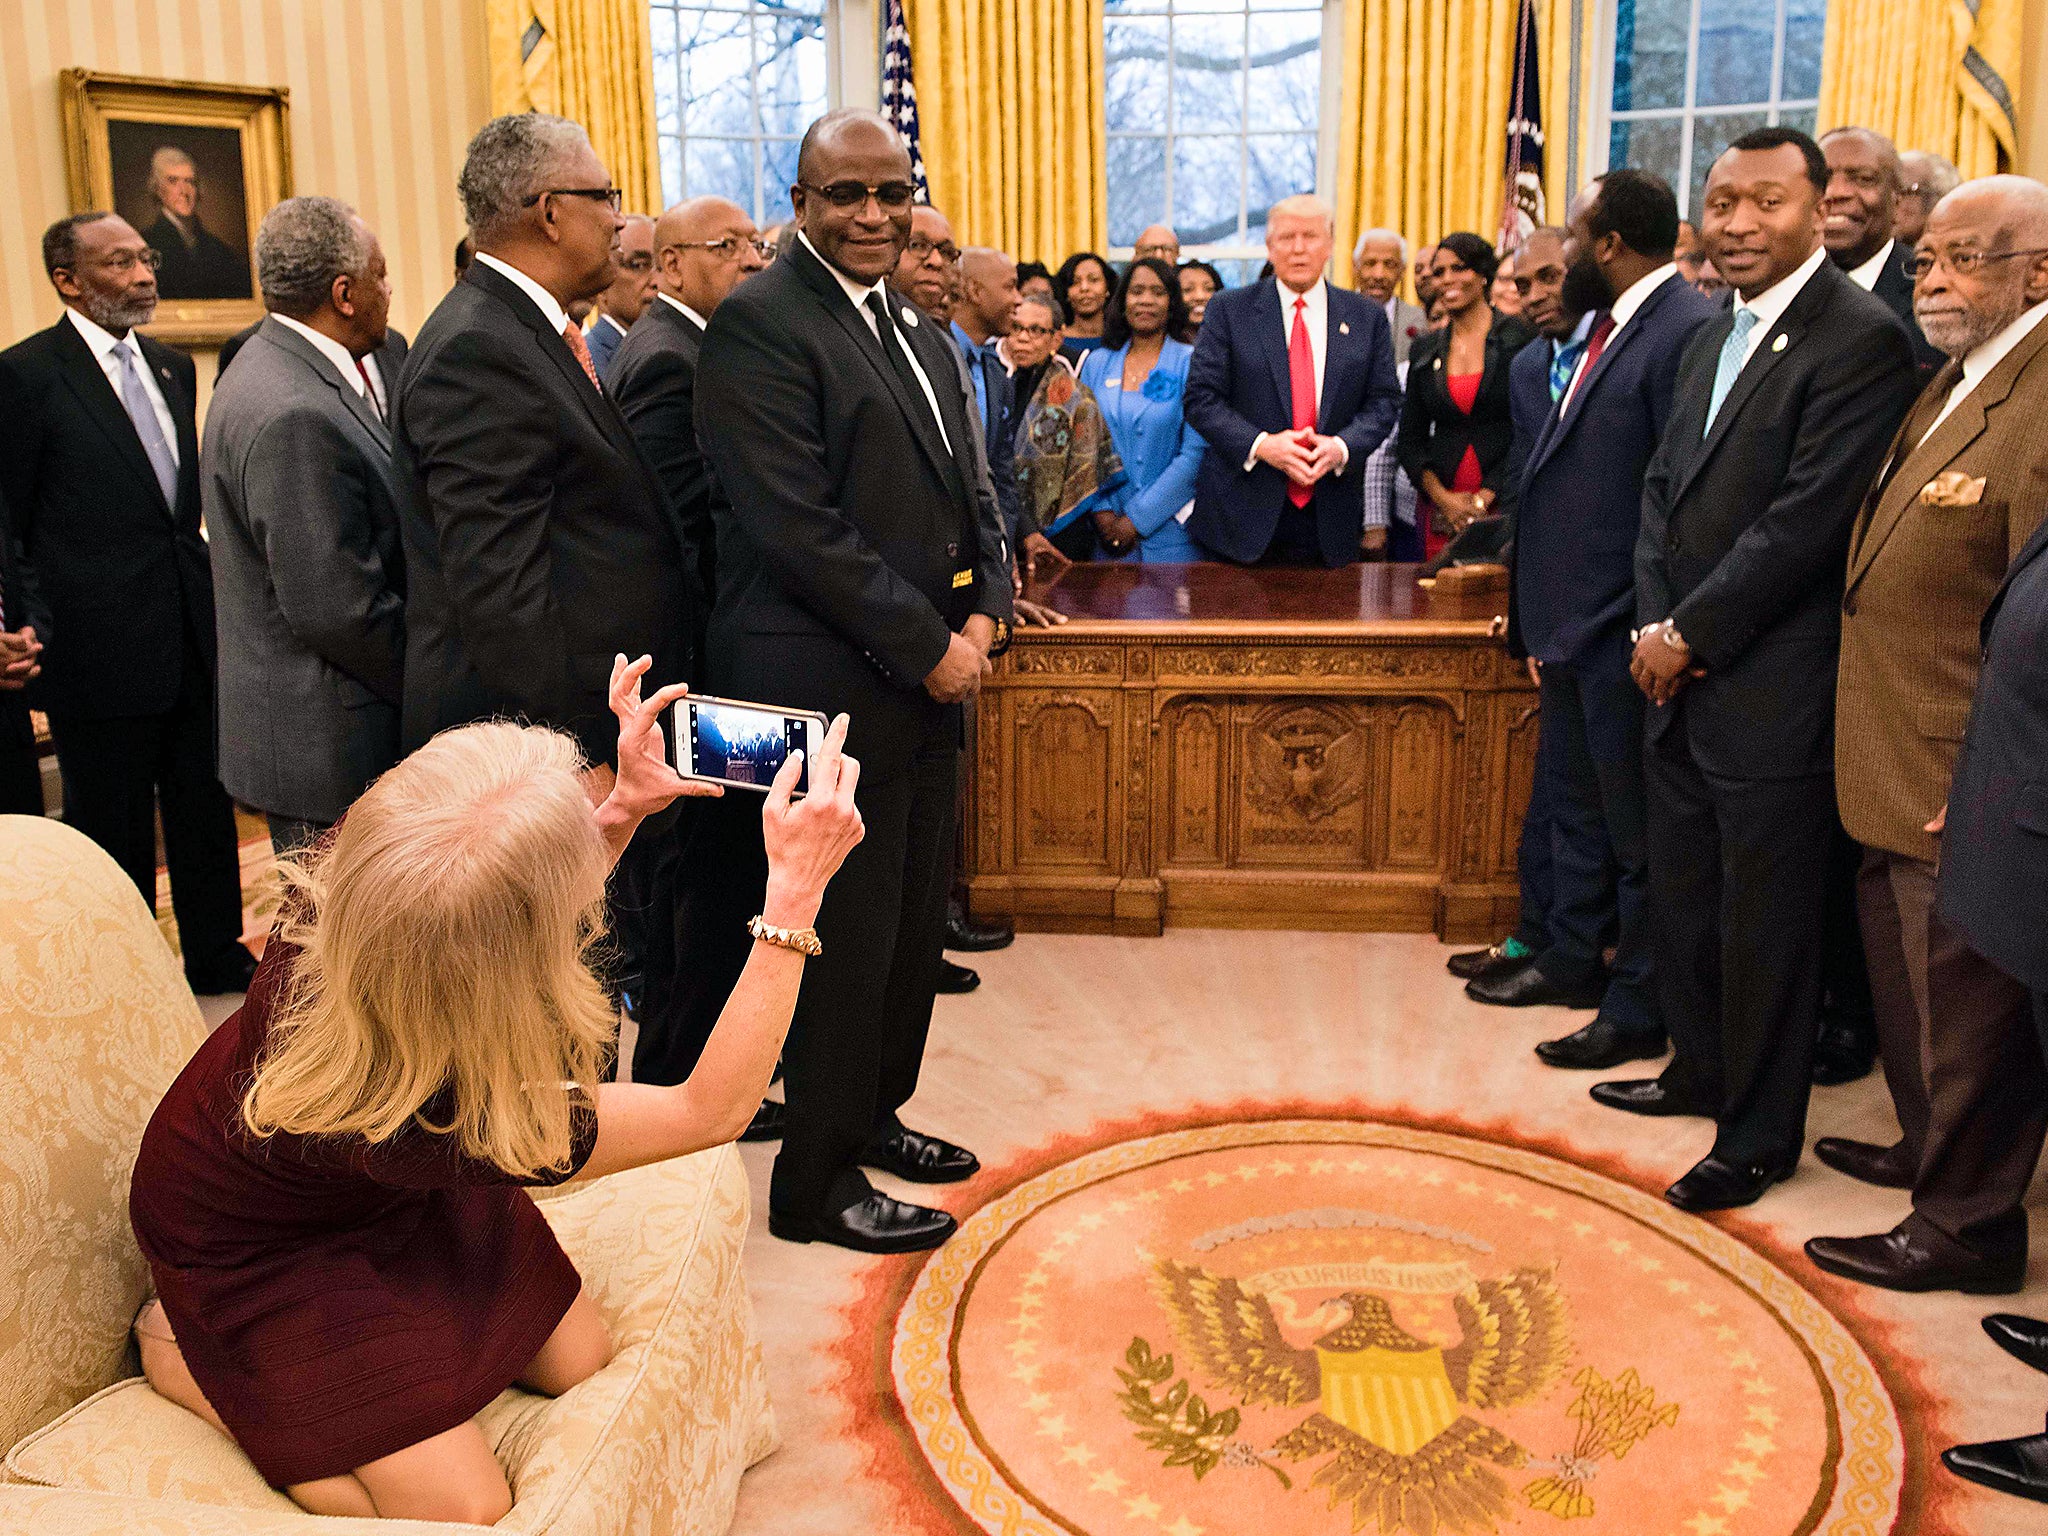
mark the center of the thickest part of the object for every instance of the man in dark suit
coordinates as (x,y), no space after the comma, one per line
(23,628)
(102,478)
(703,249)
(1994,892)
(981,318)
(1859,214)
(1292,386)
(301,507)
(195,263)
(861,568)
(1572,601)
(1783,410)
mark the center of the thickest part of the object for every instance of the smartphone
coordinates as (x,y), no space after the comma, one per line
(731,742)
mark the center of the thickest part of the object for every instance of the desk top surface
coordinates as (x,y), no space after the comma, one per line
(1351,599)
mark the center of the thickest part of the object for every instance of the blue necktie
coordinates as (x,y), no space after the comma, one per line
(1734,353)
(140,411)
(1561,366)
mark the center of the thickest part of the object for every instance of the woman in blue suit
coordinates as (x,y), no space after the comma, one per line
(1138,377)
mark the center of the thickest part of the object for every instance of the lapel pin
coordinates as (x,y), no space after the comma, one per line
(1779,344)
(910,320)
(1343,327)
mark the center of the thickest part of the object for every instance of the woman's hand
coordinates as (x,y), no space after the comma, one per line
(1118,533)
(808,839)
(644,783)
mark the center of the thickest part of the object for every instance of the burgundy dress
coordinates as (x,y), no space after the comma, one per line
(336,1301)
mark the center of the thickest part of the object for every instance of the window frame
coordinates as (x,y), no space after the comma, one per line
(1688,115)
(1330,66)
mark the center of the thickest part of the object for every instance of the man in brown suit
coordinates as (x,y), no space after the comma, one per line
(1963,488)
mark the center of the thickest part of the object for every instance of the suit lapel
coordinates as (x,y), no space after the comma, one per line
(1340,353)
(1272,331)
(603,414)
(83,374)
(322,369)
(1565,414)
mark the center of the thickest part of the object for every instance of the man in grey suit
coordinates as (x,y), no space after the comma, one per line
(1378,263)
(301,510)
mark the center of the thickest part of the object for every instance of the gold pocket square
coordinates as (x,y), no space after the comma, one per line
(1952,488)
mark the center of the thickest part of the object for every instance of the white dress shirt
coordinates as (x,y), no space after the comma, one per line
(1980,360)
(683,309)
(103,341)
(857,296)
(1866,276)
(1315,319)
(344,361)
(1769,306)
(550,308)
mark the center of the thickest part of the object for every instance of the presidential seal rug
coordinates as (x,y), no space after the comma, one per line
(1264,1327)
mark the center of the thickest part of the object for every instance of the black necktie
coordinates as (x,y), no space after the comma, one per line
(892,346)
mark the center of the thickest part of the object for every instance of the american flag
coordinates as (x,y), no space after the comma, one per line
(899,90)
(1522,202)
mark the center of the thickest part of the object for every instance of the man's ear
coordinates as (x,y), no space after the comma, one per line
(66,284)
(340,294)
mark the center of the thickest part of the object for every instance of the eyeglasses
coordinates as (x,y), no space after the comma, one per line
(892,196)
(610,195)
(921,248)
(729,248)
(1963,262)
(1033,332)
(639,261)
(128,261)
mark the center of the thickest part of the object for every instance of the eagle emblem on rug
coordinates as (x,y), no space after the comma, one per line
(1394,1412)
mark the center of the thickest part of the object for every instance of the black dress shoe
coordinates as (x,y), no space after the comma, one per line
(1467,964)
(877,1224)
(1649,1096)
(231,971)
(2024,1338)
(1866,1161)
(957,978)
(1527,987)
(1910,1259)
(2018,1467)
(965,934)
(767,1123)
(922,1159)
(1843,1053)
(1717,1186)
(1600,1045)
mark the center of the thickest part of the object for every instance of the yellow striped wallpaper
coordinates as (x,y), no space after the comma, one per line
(384,96)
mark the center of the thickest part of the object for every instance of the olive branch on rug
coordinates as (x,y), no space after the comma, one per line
(1180,1422)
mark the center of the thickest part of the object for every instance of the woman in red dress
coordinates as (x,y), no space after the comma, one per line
(1456,427)
(347,1267)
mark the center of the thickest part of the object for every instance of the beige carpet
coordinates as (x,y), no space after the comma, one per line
(1085,1066)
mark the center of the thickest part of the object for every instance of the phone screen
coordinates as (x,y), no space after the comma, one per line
(740,743)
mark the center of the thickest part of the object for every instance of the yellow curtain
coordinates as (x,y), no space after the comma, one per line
(1009,104)
(1933,74)
(590,60)
(1422,127)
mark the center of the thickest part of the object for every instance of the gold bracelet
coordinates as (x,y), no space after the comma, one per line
(803,940)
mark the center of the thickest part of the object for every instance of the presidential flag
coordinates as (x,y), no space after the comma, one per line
(899,90)
(1522,195)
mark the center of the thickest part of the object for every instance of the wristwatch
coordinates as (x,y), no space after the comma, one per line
(1673,638)
(803,940)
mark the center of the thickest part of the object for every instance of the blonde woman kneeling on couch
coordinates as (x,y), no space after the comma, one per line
(329,1196)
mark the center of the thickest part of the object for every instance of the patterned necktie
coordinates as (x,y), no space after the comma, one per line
(135,400)
(581,348)
(1561,366)
(1734,353)
(1301,383)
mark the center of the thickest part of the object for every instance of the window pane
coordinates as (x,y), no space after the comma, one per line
(1711,135)
(1208,74)
(1206,188)
(1134,75)
(1804,22)
(724,167)
(791,67)
(1735,51)
(1649,53)
(718,73)
(668,85)
(1649,144)
(1136,170)
(726,73)
(778,171)
(1802,119)
(1280,166)
(1286,69)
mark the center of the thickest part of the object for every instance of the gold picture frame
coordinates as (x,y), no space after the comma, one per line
(194,166)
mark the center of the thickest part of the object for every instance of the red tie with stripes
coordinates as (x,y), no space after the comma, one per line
(581,348)
(1301,383)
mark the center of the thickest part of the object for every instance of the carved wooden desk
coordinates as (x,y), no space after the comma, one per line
(1225,747)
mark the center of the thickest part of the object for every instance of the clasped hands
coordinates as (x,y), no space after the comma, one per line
(959,673)
(19,653)
(1304,456)
(1660,668)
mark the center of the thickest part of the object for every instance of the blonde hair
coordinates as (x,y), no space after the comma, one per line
(444,935)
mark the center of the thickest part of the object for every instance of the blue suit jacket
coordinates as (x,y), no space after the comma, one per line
(1238,387)
(1580,496)
(604,338)
(1159,446)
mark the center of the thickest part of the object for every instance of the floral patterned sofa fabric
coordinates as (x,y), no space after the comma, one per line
(654,1443)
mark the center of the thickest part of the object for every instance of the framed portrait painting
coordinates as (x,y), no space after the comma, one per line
(194,167)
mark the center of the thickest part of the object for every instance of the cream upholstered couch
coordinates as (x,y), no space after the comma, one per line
(95,1021)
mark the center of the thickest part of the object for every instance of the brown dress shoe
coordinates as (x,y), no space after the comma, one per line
(1914,1257)
(1886,1167)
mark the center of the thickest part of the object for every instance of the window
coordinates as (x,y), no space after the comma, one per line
(736,82)
(1692,76)
(1214,112)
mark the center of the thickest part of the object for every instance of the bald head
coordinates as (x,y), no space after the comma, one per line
(844,154)
(988,293)
(703,247)
(848,130)
(631,291)
(1960,311)
(1929,178)
(1158,240)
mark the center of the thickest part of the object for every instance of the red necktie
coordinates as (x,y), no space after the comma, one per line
(581,348)
(1301,383)
(369,390)
(1595,345)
